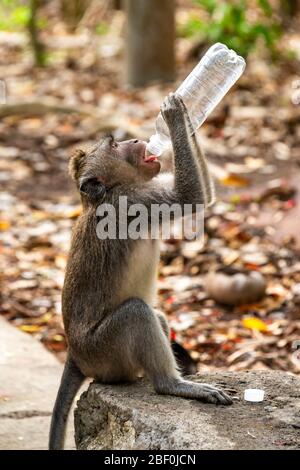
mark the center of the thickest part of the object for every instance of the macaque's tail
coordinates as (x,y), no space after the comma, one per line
(71,380)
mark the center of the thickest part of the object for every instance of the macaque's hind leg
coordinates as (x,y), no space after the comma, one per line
(185,363)
(134,337)
(163,322)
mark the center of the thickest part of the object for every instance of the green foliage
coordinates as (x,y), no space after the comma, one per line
(102,29)
(14,14)
(228,23)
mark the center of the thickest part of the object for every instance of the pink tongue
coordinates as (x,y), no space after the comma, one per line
(151,158)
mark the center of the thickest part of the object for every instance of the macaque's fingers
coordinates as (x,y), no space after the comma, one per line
(174,104)
(178,102)
(216,398)
(213,395)
(172,109)
(202,392)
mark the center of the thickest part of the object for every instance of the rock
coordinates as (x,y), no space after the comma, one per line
(133,416)
(235,288)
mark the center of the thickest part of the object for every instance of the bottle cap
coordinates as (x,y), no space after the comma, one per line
(156,145)
(254,394)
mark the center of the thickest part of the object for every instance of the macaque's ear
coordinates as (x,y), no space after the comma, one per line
(76,162)
(93,189)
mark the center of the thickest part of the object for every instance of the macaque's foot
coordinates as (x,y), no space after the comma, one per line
(198,391)
(214,395)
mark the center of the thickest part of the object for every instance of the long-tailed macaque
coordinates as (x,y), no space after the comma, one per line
(114,332)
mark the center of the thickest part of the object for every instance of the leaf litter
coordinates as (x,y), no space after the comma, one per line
(254,151)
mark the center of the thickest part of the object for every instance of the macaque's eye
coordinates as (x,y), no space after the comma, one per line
(107,141)
(113,144)
(110,140)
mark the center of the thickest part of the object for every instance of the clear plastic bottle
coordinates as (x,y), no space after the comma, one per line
(202,90)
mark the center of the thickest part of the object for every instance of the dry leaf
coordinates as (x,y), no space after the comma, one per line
(4,225)
(30,328)
(254,323)
(235,181)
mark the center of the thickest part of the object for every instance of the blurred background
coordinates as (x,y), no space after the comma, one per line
(71,70)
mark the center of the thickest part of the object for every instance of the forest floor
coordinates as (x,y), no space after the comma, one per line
(253,141)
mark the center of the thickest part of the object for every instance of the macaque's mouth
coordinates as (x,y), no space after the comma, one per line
(150,159)
(145,159)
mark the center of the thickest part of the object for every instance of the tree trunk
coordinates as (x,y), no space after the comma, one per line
(117,4)
(37,46)
(290,7)
(150,41)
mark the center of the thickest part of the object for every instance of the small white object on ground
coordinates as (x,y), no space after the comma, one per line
(254,394)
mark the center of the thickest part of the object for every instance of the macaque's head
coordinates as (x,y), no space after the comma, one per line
(112,163)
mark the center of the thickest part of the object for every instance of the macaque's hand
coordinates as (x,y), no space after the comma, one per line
(173,111)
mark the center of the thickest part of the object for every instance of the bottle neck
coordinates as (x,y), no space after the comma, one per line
(157,144)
